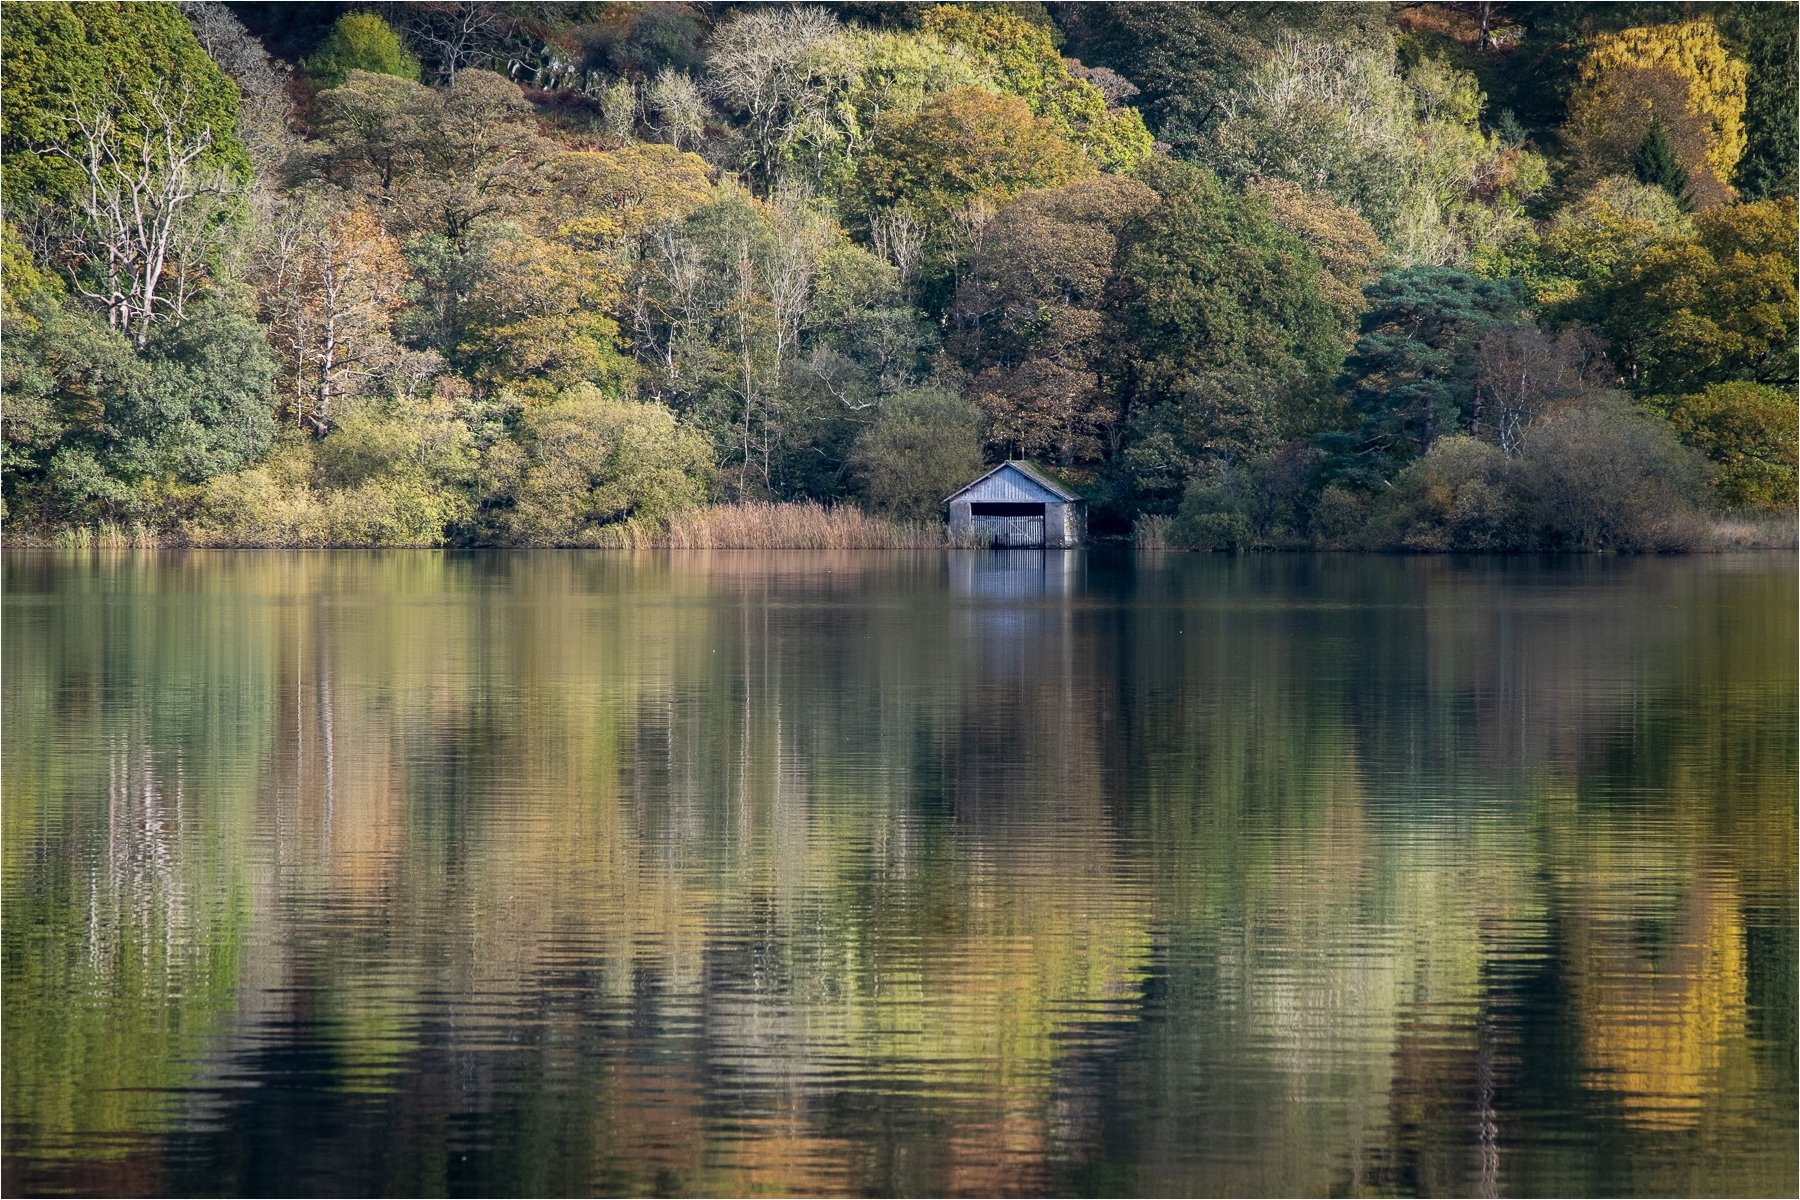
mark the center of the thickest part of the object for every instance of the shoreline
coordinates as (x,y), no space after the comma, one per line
(808,525)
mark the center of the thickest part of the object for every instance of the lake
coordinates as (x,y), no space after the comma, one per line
(896,873)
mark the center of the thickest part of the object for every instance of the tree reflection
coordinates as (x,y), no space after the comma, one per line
(837,872)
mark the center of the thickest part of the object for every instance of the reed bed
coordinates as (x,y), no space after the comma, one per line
(802,526)
(1151,532)
(1773,532)
(104,536)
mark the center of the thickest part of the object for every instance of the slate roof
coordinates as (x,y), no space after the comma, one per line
(1032,474)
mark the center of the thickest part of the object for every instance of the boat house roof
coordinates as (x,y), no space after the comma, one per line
(1014,480)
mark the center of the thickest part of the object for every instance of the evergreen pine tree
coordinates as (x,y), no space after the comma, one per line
(1655,164)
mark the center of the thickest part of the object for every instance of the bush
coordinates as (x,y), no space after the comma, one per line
(1609,477)
(925,444)
(586,462)
(1457,497)
(1339,517)
(1259,505)
(1200,530)
(270,504)
(381,479)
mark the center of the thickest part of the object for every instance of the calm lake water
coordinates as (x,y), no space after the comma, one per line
(986,873)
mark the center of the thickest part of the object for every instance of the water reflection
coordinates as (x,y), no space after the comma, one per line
(971,873)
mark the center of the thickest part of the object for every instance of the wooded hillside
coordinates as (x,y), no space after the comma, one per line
(1427,276)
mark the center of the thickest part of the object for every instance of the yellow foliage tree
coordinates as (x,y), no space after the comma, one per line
(1694,52)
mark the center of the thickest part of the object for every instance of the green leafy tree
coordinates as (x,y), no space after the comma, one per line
(30,421)
(505,307)
(1021,59)
(585,462)
(61,61)
(758,322)
(925,444)
(1458,497)
(1711,308)
(1226,334)
(1748,431)
(1609,477)
(1412,376)
(395,475)
(789,75)
(1347,246)
(105,432)
(900,72)
(863,343)
(361,41)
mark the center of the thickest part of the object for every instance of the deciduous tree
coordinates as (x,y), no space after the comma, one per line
(1225,332)
(1716,307)
(1022,60)
(1694,53)
(1033,322)
(964,147)
(1748,431)
(924,444)
(587,461)
(332,281)
(361,41)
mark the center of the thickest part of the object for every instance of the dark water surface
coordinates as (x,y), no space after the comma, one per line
(971,873)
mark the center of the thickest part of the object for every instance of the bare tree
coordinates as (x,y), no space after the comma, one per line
(1524,376)
(787,71)
(619,111)
(262,82)
(899,238)
(148,206)
(456,34)
(679,109)
(333,282)
(801,239)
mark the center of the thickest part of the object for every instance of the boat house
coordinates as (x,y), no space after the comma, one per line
(1016,504)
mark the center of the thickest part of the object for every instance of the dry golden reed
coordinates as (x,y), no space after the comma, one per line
(801,526)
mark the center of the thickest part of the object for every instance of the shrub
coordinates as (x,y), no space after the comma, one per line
(589,461)
(381,479)
(1457,497)
(1609,477)
(925,444)
(1259,505)
(1219,530)
(1338,518)
(270,504)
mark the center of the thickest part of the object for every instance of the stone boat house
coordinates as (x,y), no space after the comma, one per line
(1016,504)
